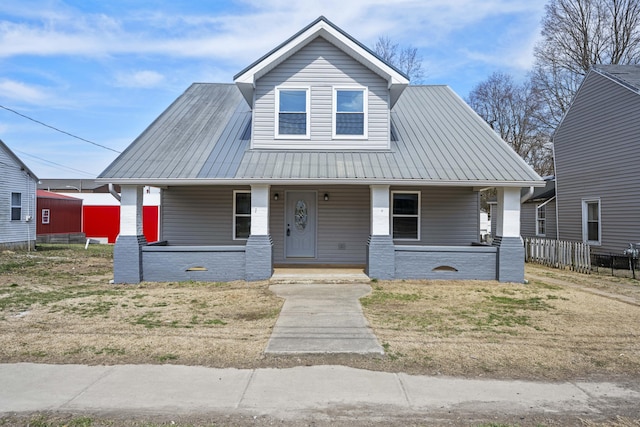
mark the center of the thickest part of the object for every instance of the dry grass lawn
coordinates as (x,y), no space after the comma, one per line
(56,306)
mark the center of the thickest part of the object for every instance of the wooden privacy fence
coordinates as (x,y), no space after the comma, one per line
(558,253)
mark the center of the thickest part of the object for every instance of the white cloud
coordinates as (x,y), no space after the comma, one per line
(20,91)
(417,22)
(139,79)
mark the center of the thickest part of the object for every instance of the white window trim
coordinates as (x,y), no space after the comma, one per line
(392,216)
(46,216)
(15,206)
(277,134)
(585,217)
(538,219)
(236,215)
(365,110)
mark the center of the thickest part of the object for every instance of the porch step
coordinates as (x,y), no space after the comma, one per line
(318,275)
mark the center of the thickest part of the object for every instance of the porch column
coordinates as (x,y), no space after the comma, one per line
(380,249)
(510,256)
(258,251)
(127,252)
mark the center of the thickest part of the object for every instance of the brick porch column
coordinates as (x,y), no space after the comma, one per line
(258,251)
(380,250)
(127,252)
(510,256)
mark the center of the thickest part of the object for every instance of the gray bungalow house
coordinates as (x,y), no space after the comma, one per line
(597,158)
(320,154)
(17,202)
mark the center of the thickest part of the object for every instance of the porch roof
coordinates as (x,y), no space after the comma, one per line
(204,137)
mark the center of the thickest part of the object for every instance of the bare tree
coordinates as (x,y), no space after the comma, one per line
(406,58)
(512,111)
(576,34)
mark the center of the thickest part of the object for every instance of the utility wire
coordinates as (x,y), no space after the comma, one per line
(59,130)
(53,163)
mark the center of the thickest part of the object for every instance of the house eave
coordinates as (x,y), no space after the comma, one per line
(161,182)
(19,162)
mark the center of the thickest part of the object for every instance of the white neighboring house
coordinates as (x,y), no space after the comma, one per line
(485,226)
(17,202)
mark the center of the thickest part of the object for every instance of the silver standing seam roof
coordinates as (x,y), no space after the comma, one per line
(204,138)
(626,75)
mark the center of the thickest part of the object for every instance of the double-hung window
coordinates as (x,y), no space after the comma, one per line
(591,225)
(541,220)
(406,215)
(241,215)
(16,206)
(350,113)
(292,118)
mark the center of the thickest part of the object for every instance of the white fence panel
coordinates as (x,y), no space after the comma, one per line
(558,254)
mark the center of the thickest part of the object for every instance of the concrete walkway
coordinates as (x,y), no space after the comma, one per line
(317,392)
(322,318)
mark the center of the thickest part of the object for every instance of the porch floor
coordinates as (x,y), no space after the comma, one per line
(318,275)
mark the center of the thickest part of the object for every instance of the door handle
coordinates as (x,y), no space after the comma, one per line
(288,231)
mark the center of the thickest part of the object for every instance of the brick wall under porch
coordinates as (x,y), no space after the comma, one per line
(161,262)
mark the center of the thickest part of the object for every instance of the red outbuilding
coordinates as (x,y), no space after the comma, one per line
(100,209)
(101,216)
(59,218)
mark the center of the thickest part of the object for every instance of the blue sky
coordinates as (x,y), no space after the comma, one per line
(104,70)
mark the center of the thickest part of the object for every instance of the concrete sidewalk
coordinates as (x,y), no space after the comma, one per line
(316,392)
(322,318)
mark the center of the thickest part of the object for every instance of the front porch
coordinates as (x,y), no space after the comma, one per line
(339,226)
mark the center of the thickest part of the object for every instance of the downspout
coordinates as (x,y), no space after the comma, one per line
(527,196)
(115,194)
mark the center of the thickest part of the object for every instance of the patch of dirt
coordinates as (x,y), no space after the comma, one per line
(57,306)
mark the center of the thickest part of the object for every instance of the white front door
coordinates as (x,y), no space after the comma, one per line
(300,226)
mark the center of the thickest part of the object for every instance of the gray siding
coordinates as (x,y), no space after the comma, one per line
(15,180)
(200,216)
(528,219)
(321,66)
(597,152)
(343,224)
(450,216)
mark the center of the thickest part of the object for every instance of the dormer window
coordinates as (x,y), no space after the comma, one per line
(350,113)
(292,120)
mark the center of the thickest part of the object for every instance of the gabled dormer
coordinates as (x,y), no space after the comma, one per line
(320,90)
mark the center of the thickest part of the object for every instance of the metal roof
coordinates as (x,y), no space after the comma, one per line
(72,184)
(627,75)
(541,194)
(178,143)
(204,137)
(43,194)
